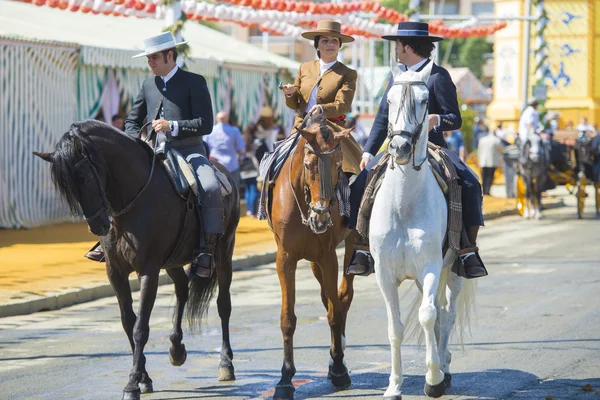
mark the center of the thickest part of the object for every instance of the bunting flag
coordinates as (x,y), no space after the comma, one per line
(277,17)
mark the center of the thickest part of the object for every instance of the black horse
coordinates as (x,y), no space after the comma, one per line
(144,225)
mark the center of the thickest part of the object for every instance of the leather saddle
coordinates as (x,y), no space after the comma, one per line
(182,175)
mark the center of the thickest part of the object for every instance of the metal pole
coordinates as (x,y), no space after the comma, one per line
(526,51)
(355,67)
(361,93)
(372,68)
(265,41)
(415,4)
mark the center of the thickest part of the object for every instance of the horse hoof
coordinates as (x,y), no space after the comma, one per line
(448,380)
(146,387)
(396,397)
(135,395)
(284,392)
(177,358)
(340,381)
(226,373)
(436,390)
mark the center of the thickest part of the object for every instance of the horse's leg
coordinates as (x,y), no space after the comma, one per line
(286,271)
(434,379)
(346,291)
(338,373)
(141,331)
(177,352)
(317,273)
(389,289)
(447,318)
(120,284)
(224,275)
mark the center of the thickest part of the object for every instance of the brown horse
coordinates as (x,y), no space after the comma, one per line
(108,174)
(307,225)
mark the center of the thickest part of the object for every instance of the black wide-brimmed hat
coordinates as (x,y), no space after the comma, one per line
(413,30)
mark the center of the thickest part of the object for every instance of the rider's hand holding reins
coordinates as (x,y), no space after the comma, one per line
(161,125)
(316,110)
(434,120)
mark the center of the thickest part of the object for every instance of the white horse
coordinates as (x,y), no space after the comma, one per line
(407,233)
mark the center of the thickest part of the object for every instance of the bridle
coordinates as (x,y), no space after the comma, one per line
(408,101)
(87,167)
(326,186)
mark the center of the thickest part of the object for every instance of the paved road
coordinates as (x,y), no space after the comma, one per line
(536,333)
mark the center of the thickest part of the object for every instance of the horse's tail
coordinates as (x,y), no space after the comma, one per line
(201,291)
(465,303)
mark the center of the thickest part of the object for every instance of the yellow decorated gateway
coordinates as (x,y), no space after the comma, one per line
(573,49)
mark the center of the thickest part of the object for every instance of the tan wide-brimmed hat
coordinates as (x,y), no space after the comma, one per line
(266,112)
(328,28)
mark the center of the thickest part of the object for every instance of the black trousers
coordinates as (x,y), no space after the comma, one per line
(487,178)
(472,200)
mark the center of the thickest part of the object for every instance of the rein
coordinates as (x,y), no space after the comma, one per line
(326,186)
(105,205)
(408,101)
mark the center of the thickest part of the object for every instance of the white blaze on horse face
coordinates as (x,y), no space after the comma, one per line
(405,119)
(535,147)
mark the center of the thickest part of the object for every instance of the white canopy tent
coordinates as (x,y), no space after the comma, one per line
(57,67)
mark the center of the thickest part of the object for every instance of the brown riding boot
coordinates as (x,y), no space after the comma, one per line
(473,266)
(203,263)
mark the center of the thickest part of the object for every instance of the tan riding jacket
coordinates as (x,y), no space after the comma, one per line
(334,93)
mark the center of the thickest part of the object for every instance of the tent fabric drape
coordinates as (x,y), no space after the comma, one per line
(39,102)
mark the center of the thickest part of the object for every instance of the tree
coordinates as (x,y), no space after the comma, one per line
(466,53)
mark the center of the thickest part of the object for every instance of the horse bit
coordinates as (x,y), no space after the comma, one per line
(409,97)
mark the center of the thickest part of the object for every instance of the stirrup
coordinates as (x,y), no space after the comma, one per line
(202,262)
(364,259)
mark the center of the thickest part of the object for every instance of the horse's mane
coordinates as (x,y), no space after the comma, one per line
(72,147)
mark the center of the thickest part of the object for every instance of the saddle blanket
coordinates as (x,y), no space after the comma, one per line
(447,178)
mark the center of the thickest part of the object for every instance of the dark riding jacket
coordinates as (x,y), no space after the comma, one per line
(442,101)
(185,100)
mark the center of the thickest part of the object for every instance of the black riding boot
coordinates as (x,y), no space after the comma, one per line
(473,266)
(362,262)
(96,253)
(203,263)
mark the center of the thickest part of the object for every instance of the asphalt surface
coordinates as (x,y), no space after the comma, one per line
(535,333)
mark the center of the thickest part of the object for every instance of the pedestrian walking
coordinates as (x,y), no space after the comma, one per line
(226,144)
(489,154)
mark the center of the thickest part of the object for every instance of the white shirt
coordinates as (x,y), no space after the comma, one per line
(165,80)
(313,95)
(412,68)
(530,118)
(585,128)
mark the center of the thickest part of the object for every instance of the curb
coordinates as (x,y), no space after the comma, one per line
(85,294)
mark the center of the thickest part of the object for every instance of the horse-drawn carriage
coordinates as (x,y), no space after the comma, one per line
(571,164)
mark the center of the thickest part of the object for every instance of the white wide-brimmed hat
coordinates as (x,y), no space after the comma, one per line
(158,43)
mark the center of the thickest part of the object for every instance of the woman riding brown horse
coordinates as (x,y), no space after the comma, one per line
(304,214)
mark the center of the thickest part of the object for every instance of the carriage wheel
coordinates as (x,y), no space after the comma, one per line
(521,195)
(597,190)
(581,195)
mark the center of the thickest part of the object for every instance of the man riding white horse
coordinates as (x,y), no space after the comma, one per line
(413,49)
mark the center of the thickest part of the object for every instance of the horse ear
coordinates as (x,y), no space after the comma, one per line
(426,71)
(342,134)
(44,156)
(309,136)
(397,69)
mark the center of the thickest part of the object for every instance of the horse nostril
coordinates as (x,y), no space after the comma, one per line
(405,148)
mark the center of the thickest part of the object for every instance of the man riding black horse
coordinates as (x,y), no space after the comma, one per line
(178,104)
(413,49)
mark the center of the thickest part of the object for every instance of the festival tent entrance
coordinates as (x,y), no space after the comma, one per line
(57,68)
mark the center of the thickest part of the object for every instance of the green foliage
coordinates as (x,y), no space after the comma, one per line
(467,52)
(468,121)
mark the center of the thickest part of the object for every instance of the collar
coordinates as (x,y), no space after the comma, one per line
(325,67)
(418,65)
(170,74)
